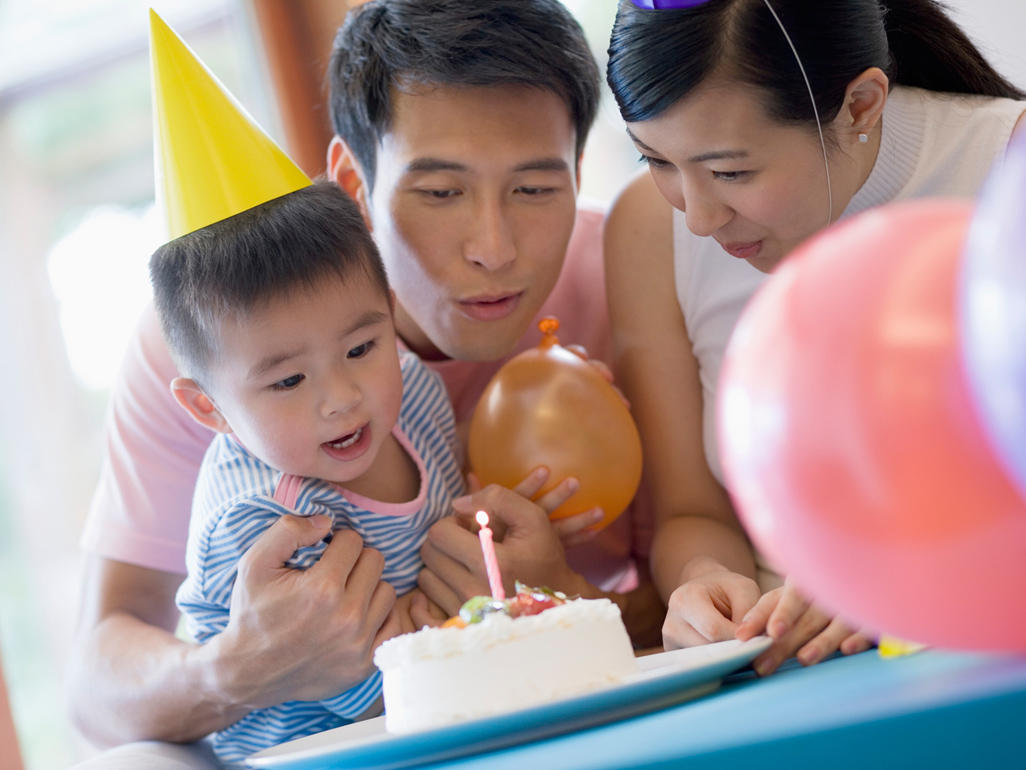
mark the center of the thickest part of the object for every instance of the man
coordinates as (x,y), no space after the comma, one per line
(459,132)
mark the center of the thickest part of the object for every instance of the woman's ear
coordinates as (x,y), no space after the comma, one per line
(193,400)
(864,101)
(344,169)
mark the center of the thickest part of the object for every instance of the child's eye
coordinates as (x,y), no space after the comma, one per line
(289,382)
(360,350)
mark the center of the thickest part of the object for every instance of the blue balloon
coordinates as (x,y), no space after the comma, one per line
(993,311)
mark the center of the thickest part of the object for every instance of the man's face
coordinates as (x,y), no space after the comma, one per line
(472,209)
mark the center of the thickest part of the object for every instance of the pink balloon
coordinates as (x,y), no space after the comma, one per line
(850,445)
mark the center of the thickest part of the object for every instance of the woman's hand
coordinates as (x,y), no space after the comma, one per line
(708,606)
(798,627)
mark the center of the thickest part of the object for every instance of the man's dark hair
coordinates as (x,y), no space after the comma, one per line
(268,251)
(385,44)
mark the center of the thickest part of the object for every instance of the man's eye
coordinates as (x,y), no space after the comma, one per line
(289,382)
(441,194)
(360,350)
(527,190)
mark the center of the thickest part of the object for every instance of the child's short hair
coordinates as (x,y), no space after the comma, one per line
(268,251)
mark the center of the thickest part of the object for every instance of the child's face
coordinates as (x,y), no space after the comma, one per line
(310,382)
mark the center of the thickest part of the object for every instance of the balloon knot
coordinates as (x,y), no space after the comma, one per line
(548,325)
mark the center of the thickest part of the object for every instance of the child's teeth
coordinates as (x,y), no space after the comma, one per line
(349,441)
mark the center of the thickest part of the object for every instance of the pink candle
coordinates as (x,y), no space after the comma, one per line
(491,563)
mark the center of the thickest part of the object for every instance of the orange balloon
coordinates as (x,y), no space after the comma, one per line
(850,442)
(548,406)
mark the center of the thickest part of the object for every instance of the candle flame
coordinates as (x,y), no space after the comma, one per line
(482,518)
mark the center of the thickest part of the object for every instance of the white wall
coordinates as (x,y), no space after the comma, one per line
(998,28)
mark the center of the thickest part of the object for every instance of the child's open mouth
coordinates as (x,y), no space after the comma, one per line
(350,446)
(346,441)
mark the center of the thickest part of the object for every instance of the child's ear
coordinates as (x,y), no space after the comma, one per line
(193,400)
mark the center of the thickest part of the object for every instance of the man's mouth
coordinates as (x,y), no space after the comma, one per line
(490,307)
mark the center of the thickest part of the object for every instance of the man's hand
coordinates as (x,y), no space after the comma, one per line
(303,634)
(530,549)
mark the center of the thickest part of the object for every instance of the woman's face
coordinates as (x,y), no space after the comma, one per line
(757,186)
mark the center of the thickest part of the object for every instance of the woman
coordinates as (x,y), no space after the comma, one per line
(762,121)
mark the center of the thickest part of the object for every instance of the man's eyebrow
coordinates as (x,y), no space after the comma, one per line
(543,164)
(433,164)
(700,158)
(424,165)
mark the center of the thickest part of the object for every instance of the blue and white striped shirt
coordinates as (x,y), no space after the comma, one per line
(238,497)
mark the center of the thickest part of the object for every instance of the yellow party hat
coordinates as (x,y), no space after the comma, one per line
(212,159)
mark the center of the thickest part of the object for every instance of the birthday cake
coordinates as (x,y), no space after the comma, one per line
(497,656)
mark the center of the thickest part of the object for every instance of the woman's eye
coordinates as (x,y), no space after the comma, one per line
(289,382)
(360,350)
(730,176)
(653,162)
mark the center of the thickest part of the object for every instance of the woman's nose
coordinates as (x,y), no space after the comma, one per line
(705,215)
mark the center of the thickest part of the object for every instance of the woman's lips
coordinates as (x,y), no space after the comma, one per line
(491,307)
(350,446)
(743,250)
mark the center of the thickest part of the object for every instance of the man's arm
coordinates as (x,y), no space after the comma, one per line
(131,677)
(292,635)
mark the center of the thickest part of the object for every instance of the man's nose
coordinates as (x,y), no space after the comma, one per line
(490,243)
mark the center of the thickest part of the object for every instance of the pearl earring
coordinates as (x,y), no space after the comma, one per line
(863,138)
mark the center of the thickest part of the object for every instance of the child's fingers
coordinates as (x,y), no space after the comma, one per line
(576,524)
(559,494)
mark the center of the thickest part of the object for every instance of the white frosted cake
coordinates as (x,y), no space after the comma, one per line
(498,662)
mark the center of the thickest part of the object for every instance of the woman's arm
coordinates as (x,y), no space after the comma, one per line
(697,532)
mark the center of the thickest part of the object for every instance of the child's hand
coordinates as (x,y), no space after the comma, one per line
(798,628)
(601,367)
(572,530)
(414,610)
(708,607)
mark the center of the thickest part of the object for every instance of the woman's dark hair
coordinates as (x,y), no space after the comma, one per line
(658,57)
(385,44)
(268,251)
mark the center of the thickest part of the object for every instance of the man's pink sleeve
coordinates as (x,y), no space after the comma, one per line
(153,450)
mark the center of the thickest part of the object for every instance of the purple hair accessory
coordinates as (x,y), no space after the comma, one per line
(661,4)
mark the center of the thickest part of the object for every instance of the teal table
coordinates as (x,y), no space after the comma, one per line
(928,710)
